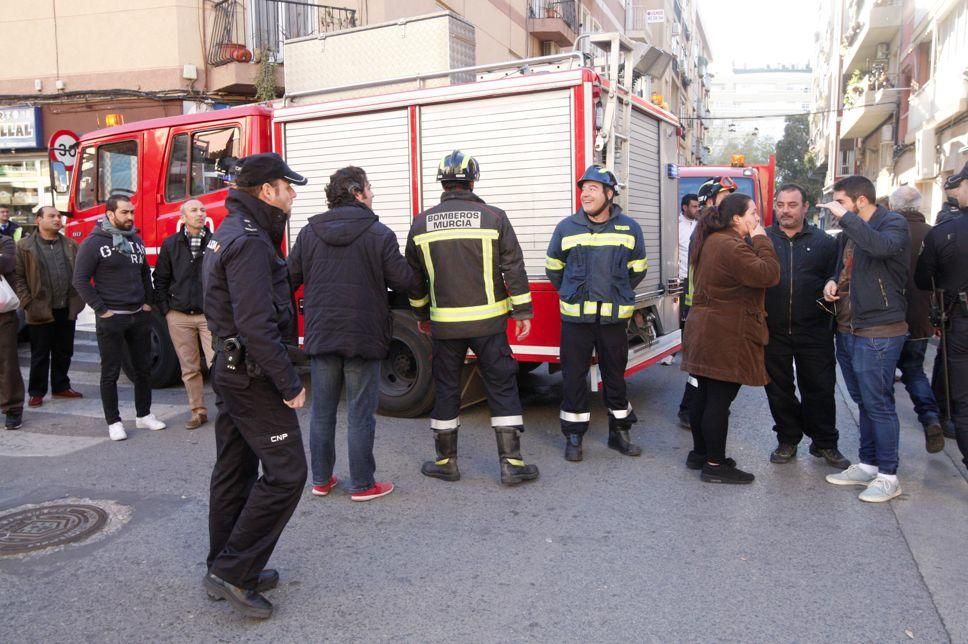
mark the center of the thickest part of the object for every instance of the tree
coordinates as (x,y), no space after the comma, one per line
(794,163)
(756,149)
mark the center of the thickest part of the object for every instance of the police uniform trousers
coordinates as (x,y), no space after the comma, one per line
(499,371)
(248,512)
(957,336)
(610,343)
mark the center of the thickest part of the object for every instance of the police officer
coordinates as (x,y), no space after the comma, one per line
(596,258)
(943,265)
(248,307)
(951,208)
(473,276)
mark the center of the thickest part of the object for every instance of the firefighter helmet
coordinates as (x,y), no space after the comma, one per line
(458,166)
(709,190)
(601,175)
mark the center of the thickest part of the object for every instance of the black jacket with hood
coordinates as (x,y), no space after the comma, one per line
(347,259)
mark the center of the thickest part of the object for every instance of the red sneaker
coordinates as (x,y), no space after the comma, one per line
(323,490)
(380,488)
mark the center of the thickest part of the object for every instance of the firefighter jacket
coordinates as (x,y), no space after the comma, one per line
(472,268)
(596,267)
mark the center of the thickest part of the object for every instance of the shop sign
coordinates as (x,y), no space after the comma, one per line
(653,16)
(20,127)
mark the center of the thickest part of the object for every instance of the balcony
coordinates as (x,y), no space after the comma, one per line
(868,103)
(871,22)
(553,20)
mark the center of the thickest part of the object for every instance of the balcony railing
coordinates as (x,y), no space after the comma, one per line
(270,23)
(562,9)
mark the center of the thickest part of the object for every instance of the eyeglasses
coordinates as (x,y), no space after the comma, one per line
(832,309)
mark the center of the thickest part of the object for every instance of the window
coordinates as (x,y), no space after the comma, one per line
(199,174)
(106,170)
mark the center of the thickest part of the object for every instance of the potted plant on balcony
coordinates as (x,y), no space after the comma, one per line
(855,89)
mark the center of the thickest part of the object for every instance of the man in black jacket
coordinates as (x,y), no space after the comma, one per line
(347,259)
(248,305)
(801,334)
(178,295)
(111,274)
(868,293)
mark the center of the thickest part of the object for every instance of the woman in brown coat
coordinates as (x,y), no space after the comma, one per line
(726,329)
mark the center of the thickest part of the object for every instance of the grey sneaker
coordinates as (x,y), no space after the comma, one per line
(853,475)
(880,490)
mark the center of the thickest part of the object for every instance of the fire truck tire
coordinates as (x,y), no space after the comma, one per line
(528,367)
(165,370)
(406,379)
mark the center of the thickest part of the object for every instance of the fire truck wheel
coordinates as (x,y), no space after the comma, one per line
(165,370)
(528,367)
(406,381)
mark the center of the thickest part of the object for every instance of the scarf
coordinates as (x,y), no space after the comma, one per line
(120,238)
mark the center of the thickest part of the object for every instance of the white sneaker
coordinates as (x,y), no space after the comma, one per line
(149,422)
(116,431)
(668,360)
(880,490)
(853,475)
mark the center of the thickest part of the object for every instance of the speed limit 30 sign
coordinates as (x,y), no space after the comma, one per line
(63,147)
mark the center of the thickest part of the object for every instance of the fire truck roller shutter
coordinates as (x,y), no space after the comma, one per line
(525,147)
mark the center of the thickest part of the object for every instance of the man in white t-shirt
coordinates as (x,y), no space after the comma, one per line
(688,217)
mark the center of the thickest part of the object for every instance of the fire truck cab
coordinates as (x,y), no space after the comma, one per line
(753,180)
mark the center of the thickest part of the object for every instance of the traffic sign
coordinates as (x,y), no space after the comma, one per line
(63,147)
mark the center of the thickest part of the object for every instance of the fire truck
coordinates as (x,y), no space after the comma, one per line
(753,180)
(533,131)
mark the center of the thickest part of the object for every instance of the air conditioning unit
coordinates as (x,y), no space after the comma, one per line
(925,155)
(882,49)
(676,29)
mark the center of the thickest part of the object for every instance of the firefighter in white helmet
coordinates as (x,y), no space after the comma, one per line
(474,278)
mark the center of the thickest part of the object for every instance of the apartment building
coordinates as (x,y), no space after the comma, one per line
(892,83)
(86,64)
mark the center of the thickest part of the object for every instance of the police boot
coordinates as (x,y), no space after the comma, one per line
(618,436)
(513,468)
(445,467)
(573,447)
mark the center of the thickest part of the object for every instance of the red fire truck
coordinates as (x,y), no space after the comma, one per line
(533,134)
(754,180)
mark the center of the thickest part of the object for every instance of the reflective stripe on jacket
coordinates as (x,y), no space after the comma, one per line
(472,266)
(596,267)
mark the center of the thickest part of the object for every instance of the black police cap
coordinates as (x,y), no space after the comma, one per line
(955,179)
(262,168)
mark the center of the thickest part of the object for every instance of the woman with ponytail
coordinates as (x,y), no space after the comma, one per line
(732,263)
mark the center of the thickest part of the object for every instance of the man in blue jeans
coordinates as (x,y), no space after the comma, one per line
(868,294)
(906,201)
(347,259)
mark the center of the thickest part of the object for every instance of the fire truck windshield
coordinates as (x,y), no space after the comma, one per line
(691,184)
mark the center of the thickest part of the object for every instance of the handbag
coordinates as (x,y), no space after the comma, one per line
(8,299)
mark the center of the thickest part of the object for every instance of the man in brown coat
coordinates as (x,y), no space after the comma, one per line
(45,264)
(906,201)
(11,382)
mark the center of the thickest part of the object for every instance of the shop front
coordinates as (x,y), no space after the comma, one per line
(24,169)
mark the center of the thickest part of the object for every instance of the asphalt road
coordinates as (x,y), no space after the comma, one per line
(610,549)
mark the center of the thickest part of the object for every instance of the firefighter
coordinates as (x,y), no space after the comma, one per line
(595,260)
(473,277)
(943,265)
(249,311)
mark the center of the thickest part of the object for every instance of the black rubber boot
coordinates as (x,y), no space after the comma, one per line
(445,467)
(573,447)
(618,436)
(513,468)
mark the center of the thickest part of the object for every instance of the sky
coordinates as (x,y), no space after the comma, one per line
(755,33)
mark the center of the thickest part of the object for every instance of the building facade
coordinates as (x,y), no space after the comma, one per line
(893,90)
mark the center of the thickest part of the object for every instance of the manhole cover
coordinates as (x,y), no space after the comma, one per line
(48,526)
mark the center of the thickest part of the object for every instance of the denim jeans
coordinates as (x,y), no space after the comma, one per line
(362,380)
(868,366)
(911,364)
(113,333)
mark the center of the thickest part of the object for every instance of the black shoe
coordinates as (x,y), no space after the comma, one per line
(248,602)
(513,468)
(618,439)
(725,473)
(684,419)
(933,438)
(573,447)
(694,460)
(948,429)
(445,467)
(784,453)
(268,579)
(15,420)
(833,457)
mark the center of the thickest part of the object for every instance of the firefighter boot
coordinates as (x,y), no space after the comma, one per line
(618,436)
(573,447)
(513,468)
(445,467)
